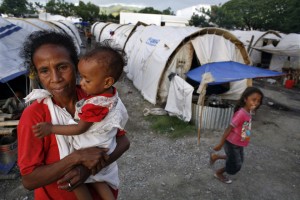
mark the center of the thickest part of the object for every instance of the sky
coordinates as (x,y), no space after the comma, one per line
(156,4)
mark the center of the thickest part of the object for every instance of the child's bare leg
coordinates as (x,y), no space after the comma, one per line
(103,191)
(82,192)
(220,172)
(214,157)
(220,176)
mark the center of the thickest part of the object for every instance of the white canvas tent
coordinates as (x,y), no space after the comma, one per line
(14,31)
(285,54)
(33,24)
(11,39)
(259,40)
(154,52)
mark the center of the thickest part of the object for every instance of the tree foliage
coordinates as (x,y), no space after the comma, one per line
(201,20)
(150,10)
(88,12)
(281,15)
(14,7)
(168,11)
(198,21)
(60,7)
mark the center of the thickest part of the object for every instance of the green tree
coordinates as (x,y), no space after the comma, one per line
(39,5)
(291,23)
(52,7)
(88,12)
(31,8)
(150,10)
(222,18)
(201,20)
(60,7)
(198,21)
(168,11)
(15,7)
(281,15)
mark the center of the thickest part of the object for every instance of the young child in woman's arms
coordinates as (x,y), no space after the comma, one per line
(237,135)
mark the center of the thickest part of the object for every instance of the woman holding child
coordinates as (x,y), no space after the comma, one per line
(53,58)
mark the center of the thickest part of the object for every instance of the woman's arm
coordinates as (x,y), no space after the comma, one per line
(76,175)
(123,145)
(46,174)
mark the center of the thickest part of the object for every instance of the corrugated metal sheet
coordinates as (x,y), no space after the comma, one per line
(212,117)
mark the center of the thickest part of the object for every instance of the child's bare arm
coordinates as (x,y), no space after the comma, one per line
(43,129)
(219,146)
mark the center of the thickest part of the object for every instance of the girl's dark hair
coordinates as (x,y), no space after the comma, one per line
(114,58)
(39,38)
(248,91)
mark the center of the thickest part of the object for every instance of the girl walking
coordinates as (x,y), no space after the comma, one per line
(237,135)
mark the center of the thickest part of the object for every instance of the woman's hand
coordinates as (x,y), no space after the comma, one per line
(73,178)
(90,161)
(93,158)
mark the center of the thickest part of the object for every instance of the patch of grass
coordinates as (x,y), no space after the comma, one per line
(171,126)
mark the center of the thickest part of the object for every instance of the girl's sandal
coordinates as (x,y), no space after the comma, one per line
(224,179)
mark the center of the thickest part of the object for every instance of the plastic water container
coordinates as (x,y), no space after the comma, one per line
(289,84)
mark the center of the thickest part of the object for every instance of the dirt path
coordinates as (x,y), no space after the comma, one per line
(157,167)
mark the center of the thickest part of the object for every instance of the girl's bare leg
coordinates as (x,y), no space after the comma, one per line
(214,157)
(219,174)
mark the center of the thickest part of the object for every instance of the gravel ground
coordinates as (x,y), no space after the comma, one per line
(158,167)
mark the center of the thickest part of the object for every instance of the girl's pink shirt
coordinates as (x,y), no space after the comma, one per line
(240,122)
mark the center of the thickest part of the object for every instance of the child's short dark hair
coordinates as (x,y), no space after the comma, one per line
(248,91)
(115,58)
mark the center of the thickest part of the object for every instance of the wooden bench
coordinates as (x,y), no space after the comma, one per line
(9,123)
(6,131)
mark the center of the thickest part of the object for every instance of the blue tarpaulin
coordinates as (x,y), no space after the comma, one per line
(11,40)
(229,71)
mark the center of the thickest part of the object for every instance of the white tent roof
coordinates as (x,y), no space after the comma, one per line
(258,38)
(286,53)
(71,30)
(153,52)
(11,39)
(288,46)
(13,31)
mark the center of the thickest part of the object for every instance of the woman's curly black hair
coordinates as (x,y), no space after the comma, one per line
(39,38)
(114,57)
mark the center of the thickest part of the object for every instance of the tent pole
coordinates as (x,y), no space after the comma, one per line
(250,45)
(203,92)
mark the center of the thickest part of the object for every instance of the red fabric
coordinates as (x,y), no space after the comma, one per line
(92,113)
(34,152)
(121,132)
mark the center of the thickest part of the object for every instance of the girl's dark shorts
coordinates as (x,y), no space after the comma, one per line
(235,157)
